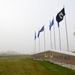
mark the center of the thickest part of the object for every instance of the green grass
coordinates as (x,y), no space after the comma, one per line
(23,65)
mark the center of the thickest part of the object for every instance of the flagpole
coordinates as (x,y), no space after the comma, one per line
(50,38)
(42,29)
(59,18)
(38,41)
(59,35)
(35,46)
(66,31)
(34,43)
(54,38)
(66,34)
(39,44)
(59,39)
(44,37)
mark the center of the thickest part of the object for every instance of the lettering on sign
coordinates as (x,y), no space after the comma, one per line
(66,57)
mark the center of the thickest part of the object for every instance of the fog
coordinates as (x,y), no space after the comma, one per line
(20,19)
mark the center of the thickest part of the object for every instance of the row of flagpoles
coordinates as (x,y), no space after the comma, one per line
(59,18)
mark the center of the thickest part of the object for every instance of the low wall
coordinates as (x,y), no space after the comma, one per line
(64,59)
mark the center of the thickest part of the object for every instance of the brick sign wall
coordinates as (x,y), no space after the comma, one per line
(55,56)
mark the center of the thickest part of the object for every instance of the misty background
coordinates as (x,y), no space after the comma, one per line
(19,19)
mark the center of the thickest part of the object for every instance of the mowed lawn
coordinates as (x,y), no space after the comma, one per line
(23,65)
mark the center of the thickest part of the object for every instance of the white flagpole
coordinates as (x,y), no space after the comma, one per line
(54,37)
(35,46)
(50,38)
(59,39)
(34,43)
(66,34)
(44,38)
(39,43)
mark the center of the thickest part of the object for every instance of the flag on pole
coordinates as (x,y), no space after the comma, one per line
(35,36)
(60,16)
(41,30)
(51,24)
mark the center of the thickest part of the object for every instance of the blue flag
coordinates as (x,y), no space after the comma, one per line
(51,24)
(41,30)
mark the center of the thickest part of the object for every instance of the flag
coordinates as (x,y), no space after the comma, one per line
(41,30)
(60,16)
(51,24)
(35,36)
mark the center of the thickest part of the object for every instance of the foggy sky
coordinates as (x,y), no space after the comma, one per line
(19,19)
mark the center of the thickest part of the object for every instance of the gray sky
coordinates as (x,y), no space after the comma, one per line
(19,19)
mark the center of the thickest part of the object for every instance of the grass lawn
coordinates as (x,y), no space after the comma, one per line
(23,65)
